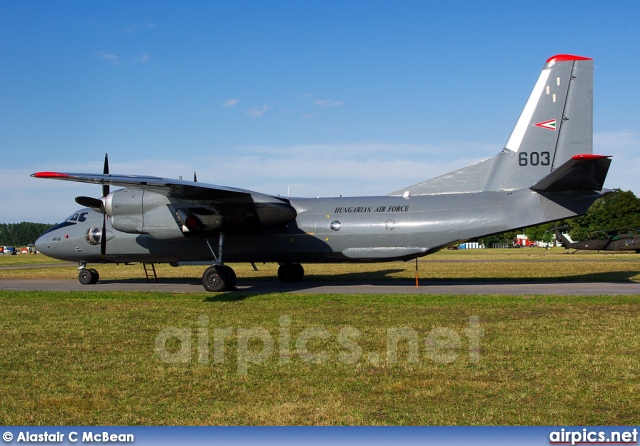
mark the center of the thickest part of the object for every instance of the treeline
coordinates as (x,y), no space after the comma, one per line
(21,234)
(619,210)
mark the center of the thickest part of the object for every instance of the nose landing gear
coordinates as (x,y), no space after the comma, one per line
(87,276)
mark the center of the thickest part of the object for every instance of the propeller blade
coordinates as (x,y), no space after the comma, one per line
(94,203)
(195,178)
(103,238)
(105,170)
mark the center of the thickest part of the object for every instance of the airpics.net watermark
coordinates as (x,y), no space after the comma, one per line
(257,345)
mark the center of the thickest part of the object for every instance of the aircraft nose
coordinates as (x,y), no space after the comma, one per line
(43,244)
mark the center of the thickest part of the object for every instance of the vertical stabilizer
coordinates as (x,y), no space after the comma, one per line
(555,125)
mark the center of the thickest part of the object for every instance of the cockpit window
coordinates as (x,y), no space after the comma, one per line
(59,226)
(78,216)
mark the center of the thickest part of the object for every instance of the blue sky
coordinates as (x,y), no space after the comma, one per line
(317,98)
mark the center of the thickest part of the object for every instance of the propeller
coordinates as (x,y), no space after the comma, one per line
(105,170)
(94,203)
(105,192)
(98,205)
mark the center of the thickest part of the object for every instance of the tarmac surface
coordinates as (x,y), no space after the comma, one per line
(335,287)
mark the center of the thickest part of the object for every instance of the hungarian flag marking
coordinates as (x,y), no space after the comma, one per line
(549,125)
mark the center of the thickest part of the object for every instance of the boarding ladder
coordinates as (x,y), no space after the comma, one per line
(150,271)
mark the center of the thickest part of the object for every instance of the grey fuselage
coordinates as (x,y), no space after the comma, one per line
(331,230)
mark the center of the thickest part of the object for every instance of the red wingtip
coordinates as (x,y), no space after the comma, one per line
(566,57)
(589,156)
(50,175)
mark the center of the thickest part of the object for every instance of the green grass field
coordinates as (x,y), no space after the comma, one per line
(101,358)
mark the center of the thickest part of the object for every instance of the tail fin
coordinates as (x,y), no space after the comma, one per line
(555,125)
(564,239)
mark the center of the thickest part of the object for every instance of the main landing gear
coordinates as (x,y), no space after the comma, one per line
(218,277)
(290,272)
(222,278)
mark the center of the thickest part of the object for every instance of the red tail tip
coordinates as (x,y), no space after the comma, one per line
(589,156)
(566,57)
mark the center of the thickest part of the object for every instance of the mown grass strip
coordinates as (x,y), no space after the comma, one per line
(91,358)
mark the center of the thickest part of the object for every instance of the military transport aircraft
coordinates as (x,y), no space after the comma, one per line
(613,240)
(547,171)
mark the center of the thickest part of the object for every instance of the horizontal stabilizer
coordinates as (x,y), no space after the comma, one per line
(586,172)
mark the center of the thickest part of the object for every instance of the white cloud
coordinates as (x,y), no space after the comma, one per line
(117,60)
(616,139)
(257,112)
(342,169)
(133,27)
(110,57)
(306,170)
(624,148)
(231,102)
(322,103)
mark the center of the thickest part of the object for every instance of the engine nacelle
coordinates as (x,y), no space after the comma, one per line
(137,211)
(140,211)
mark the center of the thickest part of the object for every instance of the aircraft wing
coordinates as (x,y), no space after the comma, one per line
(167,186)
(586,172)
(200,208)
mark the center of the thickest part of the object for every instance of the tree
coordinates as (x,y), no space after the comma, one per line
(618,210)
(21,234)
(540,233)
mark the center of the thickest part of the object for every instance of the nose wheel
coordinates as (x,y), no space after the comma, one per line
(88,276)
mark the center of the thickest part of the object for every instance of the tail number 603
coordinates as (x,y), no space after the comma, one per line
(534,158)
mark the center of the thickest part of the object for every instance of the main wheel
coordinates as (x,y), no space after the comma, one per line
(232,276)
(290,272)
(217,278)
(88,276)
